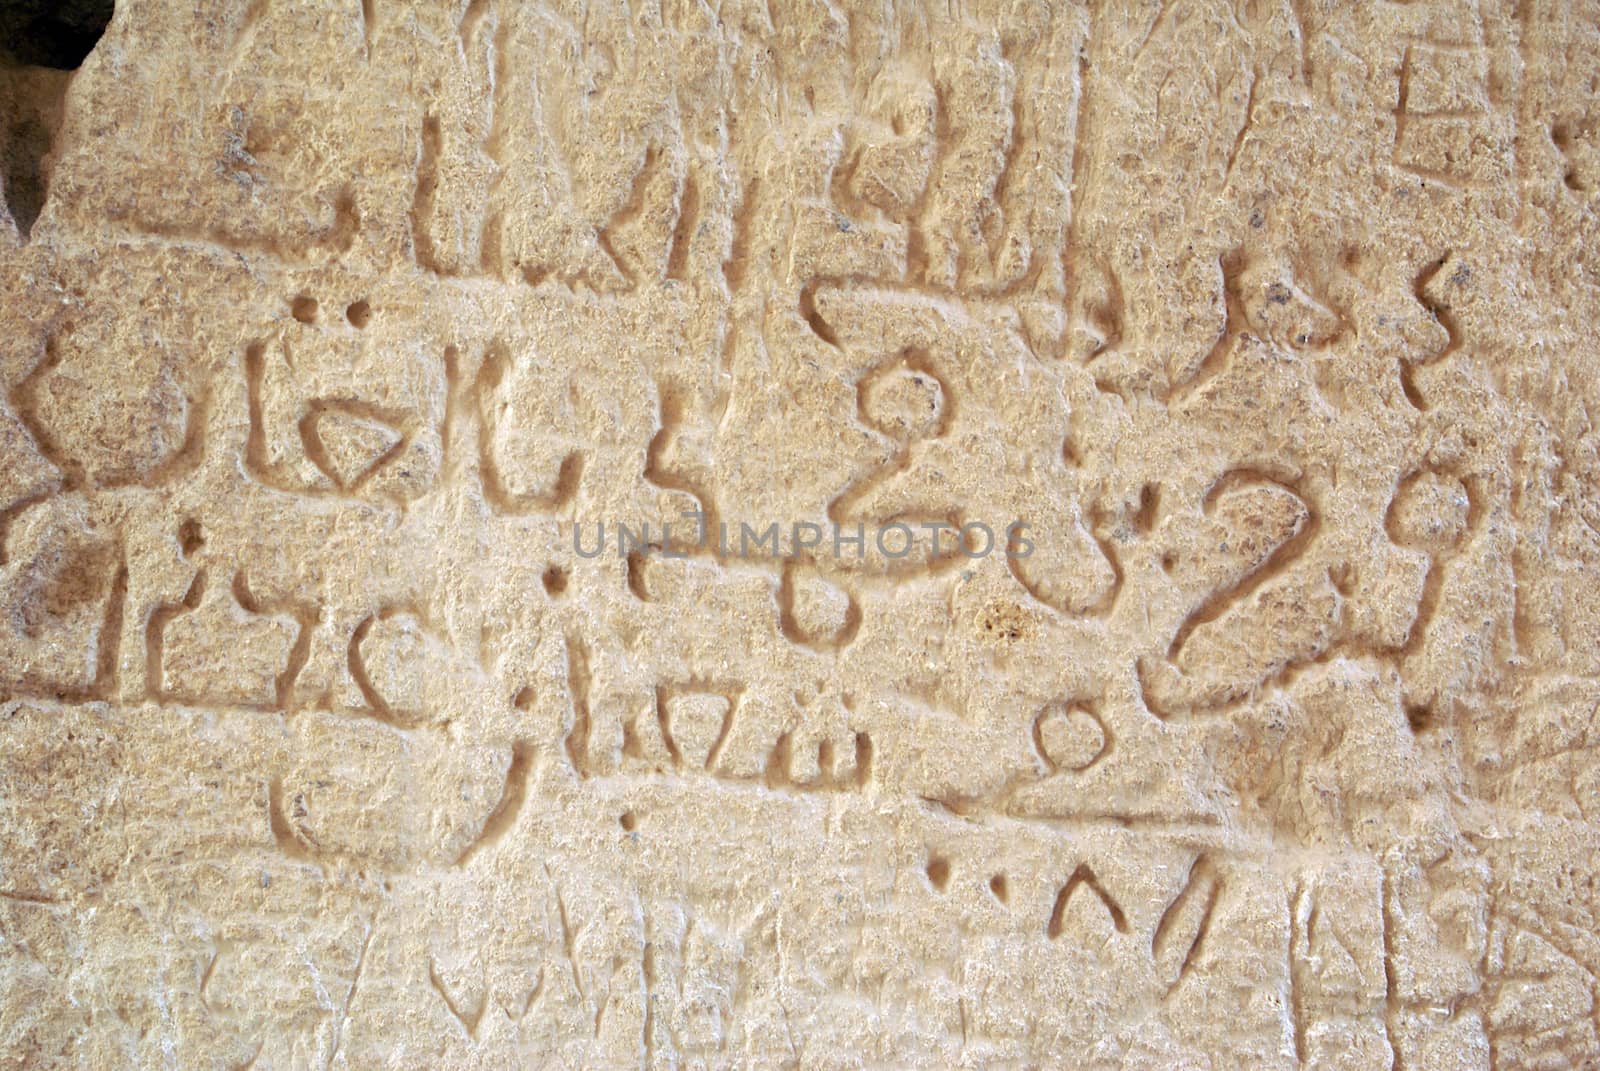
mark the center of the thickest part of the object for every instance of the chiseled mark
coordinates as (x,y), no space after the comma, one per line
(333,239)
(470,18)
(778,773)
(1230,265)
(306,617)
(108,647)
(10,514)
(800,636)
(469,1018)
(568,942)
(456,414)
(672,410)
(505,813)
(1274,564)
(515,1014)
(1162,11)
(210,969)
(577,742)
(27,896)
(497,364)
(1302,34)
(737,265)
(1446,320)
(814,319)
(683,232)
(680,738)
(344,1011)
(1434,578)
(630,211)
(1224,599)
(250,1063)
(427,188)
(1245,124)
(1184,924)
(339,479)
(1391,985)
(1084,877)
(289,842)
(647,978)
(1402,98)
(1302,914)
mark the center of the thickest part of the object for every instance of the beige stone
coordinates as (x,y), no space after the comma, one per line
(1147,614)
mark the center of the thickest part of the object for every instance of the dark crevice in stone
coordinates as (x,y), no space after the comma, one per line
(52,33)
(22,170)
(31,101)
(41,43)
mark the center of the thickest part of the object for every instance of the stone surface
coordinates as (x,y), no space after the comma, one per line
(1268,740)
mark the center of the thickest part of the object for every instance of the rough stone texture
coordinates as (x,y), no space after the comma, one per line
(323,323)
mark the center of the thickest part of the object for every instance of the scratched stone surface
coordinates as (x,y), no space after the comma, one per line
(322,745)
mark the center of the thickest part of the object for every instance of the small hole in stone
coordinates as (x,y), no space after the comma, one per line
(523,700)
(304,309)
(939,872)
(59,35)
(1168,561)
(997,885)
(359,313)
(1420,717)
(555,580)
(629,821)
(190,538)
(1144,517)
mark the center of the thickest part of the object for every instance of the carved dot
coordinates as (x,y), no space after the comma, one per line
(1069,738)
(939,872)
(304,309)
(629,821)
(1168,561)
(555,580)
(359,313)
(1144,517)
(190,538)
(997,885)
